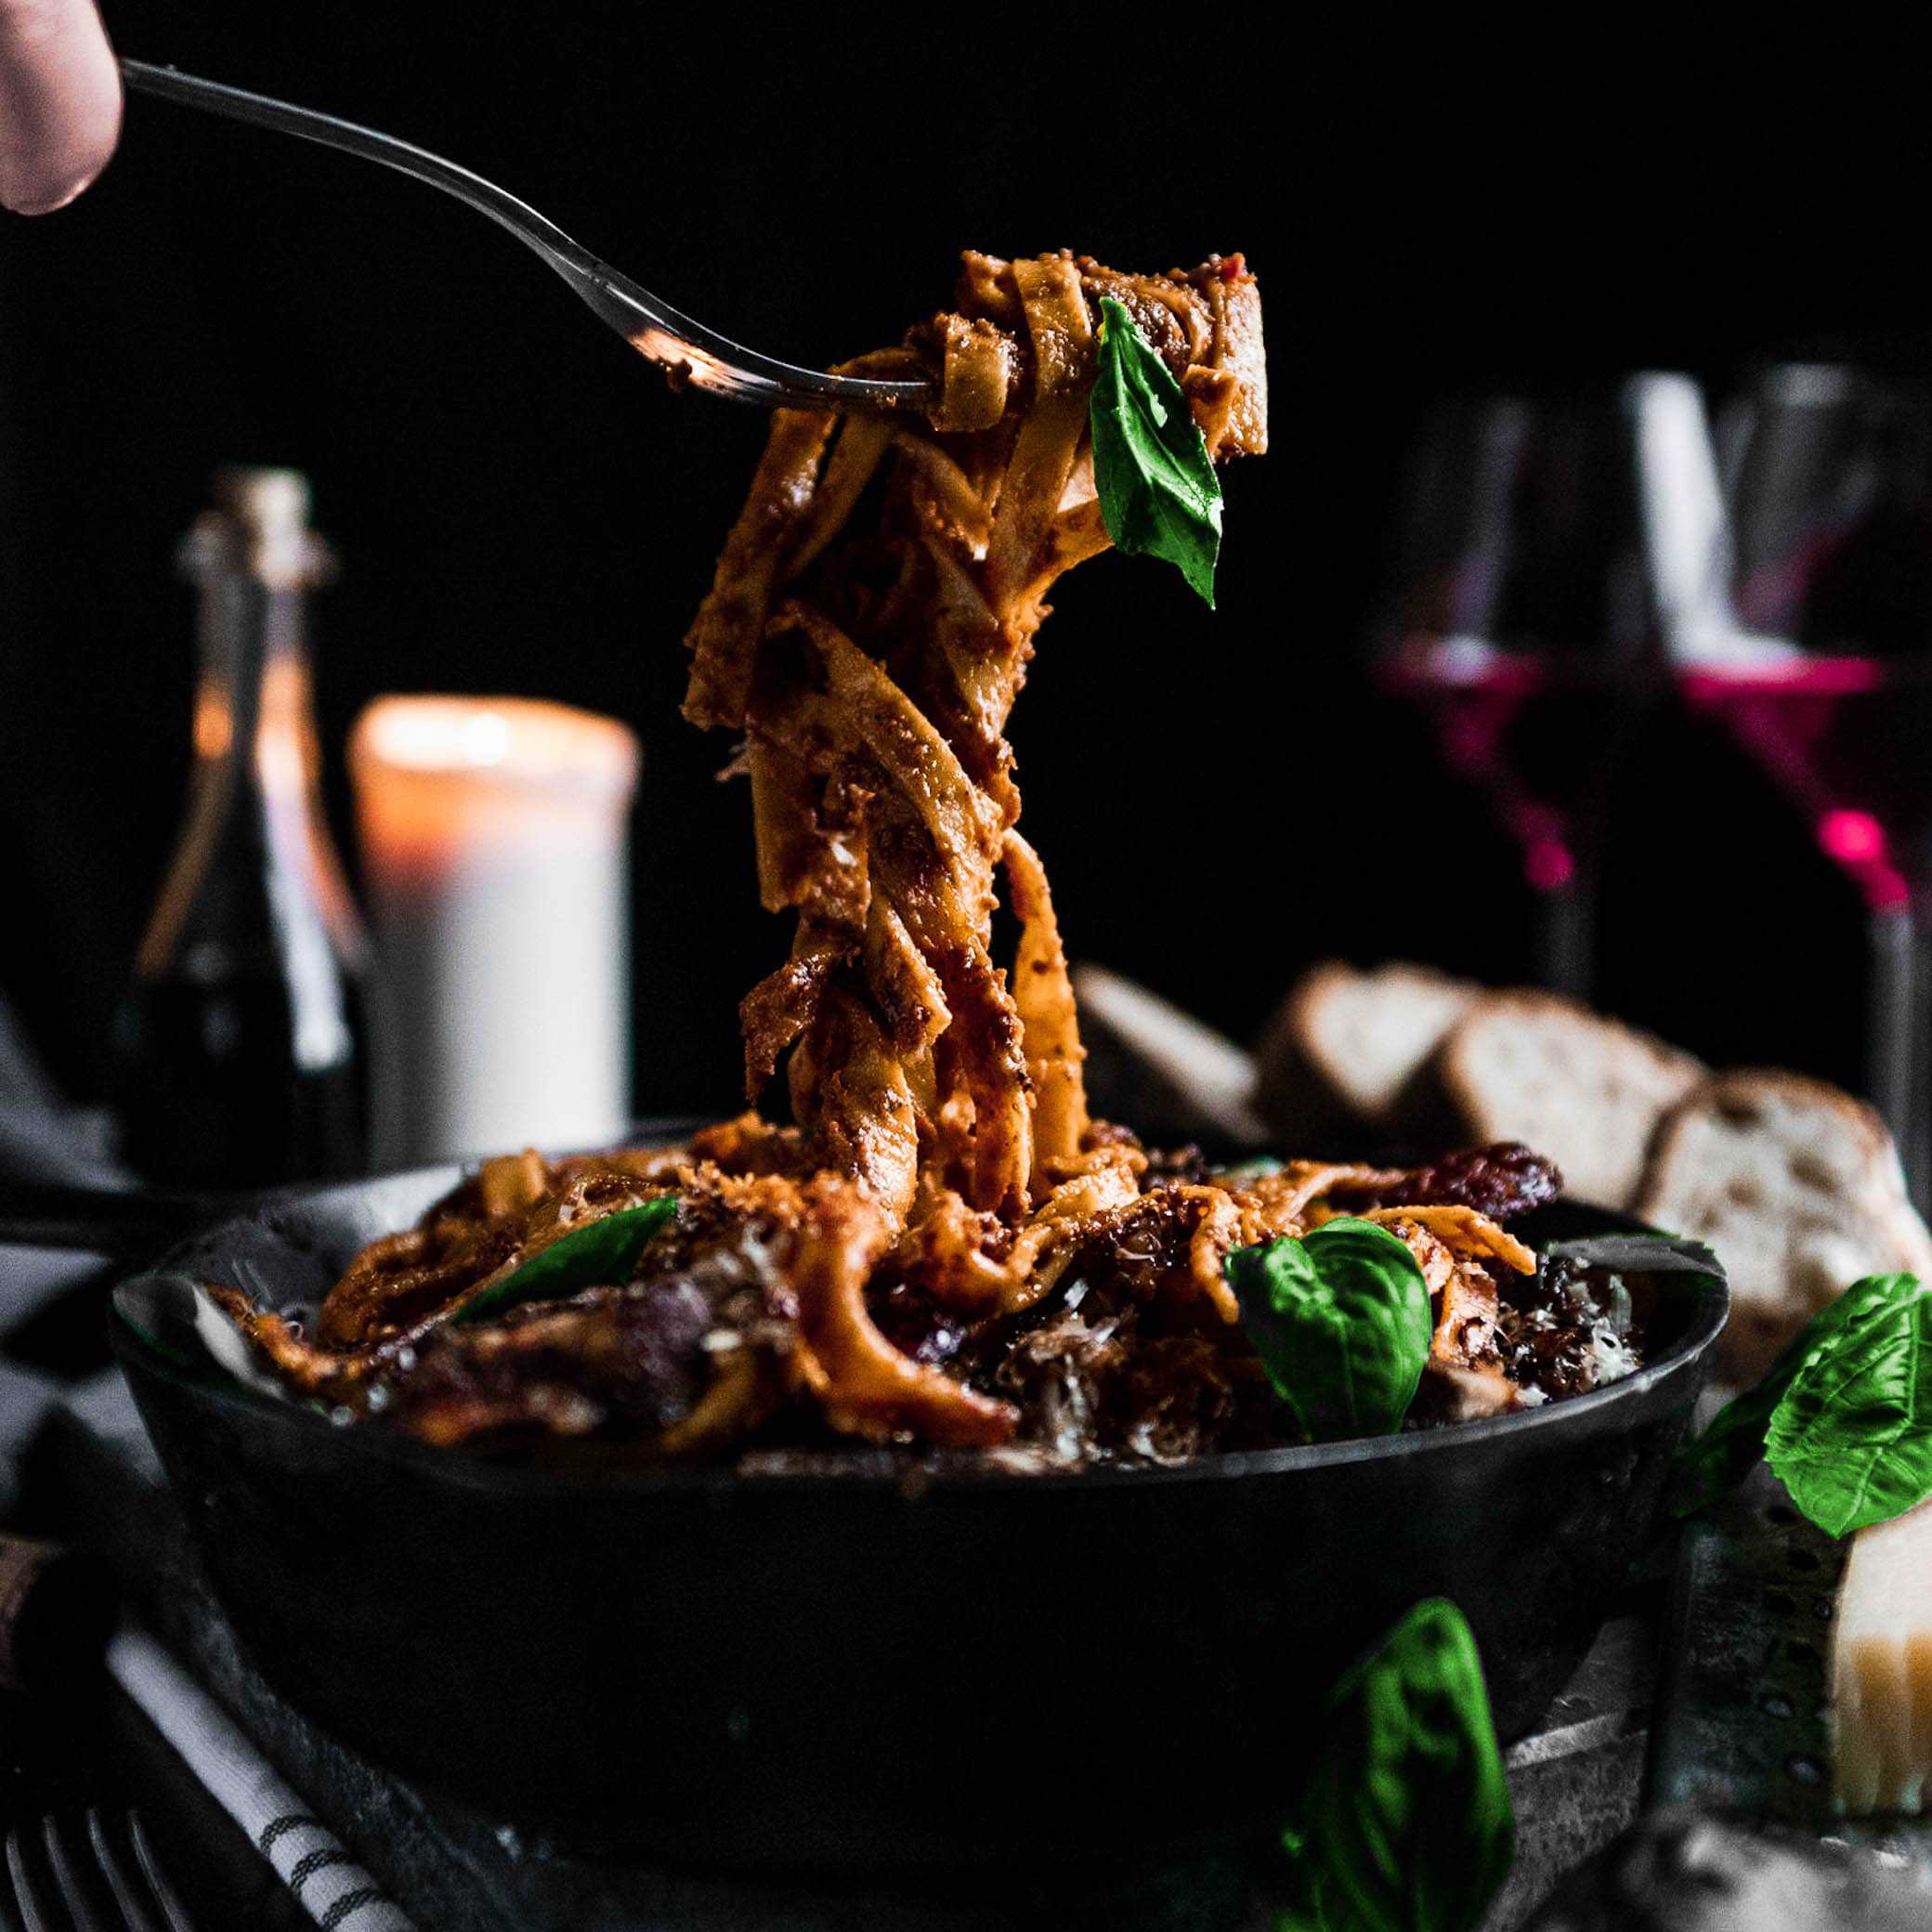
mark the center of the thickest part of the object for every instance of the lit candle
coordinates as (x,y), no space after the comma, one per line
(494,868)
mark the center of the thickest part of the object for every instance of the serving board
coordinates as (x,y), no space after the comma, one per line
(1740,1725)
(1576,1780)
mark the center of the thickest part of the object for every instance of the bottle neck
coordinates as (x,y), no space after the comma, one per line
(253,718)
(256,830)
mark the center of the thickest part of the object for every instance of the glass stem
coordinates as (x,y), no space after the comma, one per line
(1566,934)
(1898,1071)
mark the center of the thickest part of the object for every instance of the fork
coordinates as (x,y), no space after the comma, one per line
(689,353)
(85,1876)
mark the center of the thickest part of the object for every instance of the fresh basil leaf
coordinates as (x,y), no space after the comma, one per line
(1342,1321)
(1851,1436)
(1158,494)
(1405,1823)
(1722,1456)
(600,1251)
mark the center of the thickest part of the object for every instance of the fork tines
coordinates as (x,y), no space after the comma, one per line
(91,1876)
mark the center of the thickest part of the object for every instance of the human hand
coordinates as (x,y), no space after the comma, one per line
(60,102)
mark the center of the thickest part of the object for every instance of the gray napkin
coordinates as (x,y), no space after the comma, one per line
(43,1141)
(43,1137)
(27,1399)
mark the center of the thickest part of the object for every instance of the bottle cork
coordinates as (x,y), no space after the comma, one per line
(259,525)
(268,503)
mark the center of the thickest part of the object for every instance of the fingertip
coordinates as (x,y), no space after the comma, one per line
(46,189)
(60,103)
(50,200)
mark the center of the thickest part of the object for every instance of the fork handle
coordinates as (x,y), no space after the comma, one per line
(259,110)
(690,352)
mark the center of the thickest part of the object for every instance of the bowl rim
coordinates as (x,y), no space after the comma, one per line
(875,1471)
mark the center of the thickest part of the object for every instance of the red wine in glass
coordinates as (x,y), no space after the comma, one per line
(1526,615)
(1524,728)
(1817,653)
(1850,740)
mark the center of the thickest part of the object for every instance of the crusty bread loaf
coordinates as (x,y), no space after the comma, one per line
(1343,1047)
(1798,1187)
(1161,1070)
(1584,1090)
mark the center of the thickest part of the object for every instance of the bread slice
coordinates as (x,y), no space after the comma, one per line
(1343,1047)
(1584,1090)
(1797,1186)
(1160,1070)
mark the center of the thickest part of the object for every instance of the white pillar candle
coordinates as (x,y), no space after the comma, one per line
(494,836)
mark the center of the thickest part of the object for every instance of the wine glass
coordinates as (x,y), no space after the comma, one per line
(1816,651)
(1540,551)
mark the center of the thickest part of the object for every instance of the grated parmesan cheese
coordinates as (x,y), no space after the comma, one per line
(1615,1358)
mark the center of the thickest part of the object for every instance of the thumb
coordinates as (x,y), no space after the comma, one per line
(60,102)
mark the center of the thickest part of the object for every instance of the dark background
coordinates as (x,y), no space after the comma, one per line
(520,505)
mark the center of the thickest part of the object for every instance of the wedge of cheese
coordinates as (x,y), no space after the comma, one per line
(1882,1670)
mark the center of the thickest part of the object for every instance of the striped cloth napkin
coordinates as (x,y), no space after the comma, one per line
(337,1893)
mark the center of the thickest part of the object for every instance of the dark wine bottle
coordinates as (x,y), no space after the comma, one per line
(241,1039)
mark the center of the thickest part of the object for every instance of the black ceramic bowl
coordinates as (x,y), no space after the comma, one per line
(893,1666)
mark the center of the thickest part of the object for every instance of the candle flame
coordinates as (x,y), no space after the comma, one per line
(443,781)
(516,740)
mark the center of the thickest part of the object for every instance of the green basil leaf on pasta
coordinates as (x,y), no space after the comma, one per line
(1342,1321)
(1158,494)
(601,1251)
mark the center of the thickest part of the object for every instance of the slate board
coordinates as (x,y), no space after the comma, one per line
(1740,1722)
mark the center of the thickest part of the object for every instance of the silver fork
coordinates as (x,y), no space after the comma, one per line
(85,1877)
(689,352)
